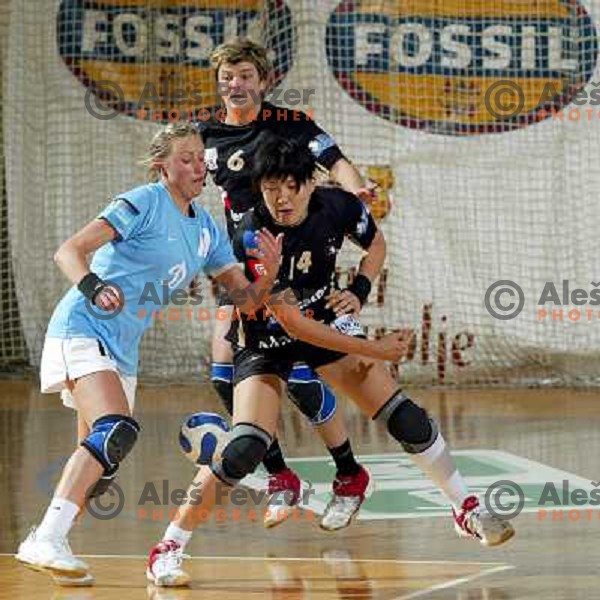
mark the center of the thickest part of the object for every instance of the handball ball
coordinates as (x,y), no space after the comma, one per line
(202,436)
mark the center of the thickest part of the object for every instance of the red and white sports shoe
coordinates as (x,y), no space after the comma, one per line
(349,492)
(164,565)
(284,494)
(474,521)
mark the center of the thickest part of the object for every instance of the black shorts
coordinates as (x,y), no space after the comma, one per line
(248,362)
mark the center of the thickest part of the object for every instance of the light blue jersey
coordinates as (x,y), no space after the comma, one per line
(158,249)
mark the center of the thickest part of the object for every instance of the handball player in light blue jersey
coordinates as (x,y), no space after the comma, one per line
(150,238)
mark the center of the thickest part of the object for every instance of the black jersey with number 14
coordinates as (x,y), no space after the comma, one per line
(308,259)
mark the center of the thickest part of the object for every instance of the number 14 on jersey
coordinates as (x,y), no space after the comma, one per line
(303,264)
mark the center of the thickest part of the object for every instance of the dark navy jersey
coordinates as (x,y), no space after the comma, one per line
(309,256)
(229,149)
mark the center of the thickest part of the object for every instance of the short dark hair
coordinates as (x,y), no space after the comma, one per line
(279,158)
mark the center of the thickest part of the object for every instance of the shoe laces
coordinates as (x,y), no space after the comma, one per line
(59,541)
(344,503)
(469,515)
(63,544)
(172,556)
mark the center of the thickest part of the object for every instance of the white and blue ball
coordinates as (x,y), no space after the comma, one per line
(203,436)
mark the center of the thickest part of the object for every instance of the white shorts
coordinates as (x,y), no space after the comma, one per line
(71,358)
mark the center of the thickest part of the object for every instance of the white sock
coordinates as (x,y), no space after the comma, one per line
(58,520)
(181,536)
(440,467)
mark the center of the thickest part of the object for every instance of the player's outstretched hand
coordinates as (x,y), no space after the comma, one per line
(268,251)
(343,302)
(394,346)
(108,299)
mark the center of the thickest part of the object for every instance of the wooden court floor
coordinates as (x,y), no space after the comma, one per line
(402,547)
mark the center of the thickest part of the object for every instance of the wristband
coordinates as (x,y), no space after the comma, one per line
(90,286)
(360,287)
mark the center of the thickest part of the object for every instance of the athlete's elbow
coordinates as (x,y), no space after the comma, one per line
(66,254)
(60,254)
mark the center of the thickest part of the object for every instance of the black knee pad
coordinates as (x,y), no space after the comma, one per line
(111,439)
(245,450)
(310,395)
(408,423)
(221,378)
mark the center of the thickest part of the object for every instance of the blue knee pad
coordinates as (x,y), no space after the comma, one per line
(310,395)
(111,439)
(221,376)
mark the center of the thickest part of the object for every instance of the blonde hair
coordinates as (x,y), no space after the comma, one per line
(160,146)
(242,50)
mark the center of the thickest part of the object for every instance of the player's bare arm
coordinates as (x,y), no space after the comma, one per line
(72,259)
(351,300)
(390,347)
(347,175)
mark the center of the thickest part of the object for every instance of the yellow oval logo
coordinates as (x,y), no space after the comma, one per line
(135,55)
(462,67)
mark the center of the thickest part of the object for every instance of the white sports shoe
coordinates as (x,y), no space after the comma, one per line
(164,565)
(349,493)
(474,521)
(53,555)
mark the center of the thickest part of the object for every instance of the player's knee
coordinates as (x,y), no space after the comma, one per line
(221,378)
(310,395)
(408,423)
(245,450)
(111,439)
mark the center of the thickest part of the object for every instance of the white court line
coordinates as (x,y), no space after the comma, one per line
(495,565)
(453,582)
